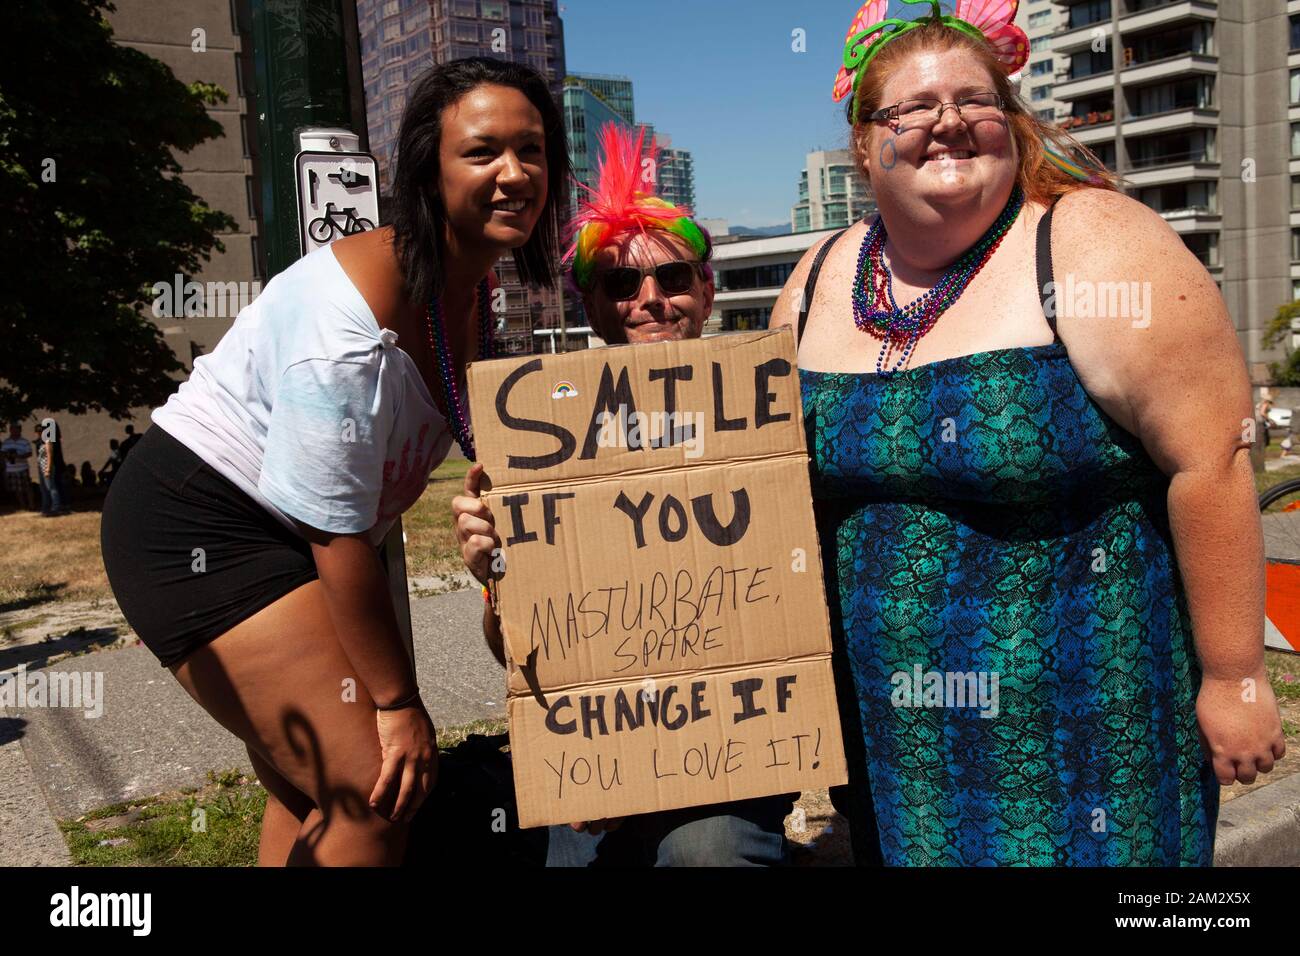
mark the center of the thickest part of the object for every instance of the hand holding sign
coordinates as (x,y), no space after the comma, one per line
(475,527)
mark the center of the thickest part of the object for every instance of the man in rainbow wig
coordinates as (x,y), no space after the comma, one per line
(639,262)
(641,267)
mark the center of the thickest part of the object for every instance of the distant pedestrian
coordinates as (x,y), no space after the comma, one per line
(87,475)
(50,469)
(17,452)
(131,438)
(114,462)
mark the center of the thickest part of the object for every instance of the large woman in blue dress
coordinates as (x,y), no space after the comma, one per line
(1044,556)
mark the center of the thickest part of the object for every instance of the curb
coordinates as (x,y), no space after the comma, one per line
(1261,828)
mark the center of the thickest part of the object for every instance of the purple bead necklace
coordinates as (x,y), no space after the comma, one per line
(441,349)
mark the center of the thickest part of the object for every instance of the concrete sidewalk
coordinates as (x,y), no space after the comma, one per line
(56,763)
(151,737)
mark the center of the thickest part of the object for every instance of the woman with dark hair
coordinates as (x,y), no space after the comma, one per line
(241,535)
(1044,554)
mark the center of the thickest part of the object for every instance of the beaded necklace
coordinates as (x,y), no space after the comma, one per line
(447,367)
(902,328)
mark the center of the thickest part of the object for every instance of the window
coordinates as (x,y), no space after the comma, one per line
(1193,93)
(493,10)
(1090,63)
(1295,87)
(1200,196)
(1082,14)
(1295,33)
(1205,246)
(1040,43)
(1295,192)
(1295,139)
(1040,68)
(1041,18)
(252,197)
(1039,93)
(464,8)
(1295,245)
(255,246)
(464,32)
(1047,116)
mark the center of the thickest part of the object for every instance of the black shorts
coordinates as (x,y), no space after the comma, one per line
(188,554)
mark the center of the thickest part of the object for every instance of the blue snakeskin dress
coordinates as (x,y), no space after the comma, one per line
(1003,586)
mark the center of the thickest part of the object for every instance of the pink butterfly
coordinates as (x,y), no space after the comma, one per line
(873,11)
(994,18)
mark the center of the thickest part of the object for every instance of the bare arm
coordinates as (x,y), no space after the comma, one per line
(1176,379)
(357,596)
(356,592)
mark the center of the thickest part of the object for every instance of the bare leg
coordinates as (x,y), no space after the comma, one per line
(286,809)
(281,682)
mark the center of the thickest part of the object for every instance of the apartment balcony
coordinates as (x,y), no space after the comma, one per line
(1096,133)
(1076,39)
(1185,64)
(1068,90)
(1178,11)
(1172,120)
(1192,219)
(1171,168)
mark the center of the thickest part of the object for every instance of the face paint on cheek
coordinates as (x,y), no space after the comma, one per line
(890,150)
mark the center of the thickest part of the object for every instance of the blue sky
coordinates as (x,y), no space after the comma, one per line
(721,78)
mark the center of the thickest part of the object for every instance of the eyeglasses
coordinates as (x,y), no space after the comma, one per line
(925,112)
(624,282)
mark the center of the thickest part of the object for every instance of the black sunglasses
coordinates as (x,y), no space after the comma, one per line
(624,282)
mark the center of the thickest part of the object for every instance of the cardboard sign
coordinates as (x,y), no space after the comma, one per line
(662,598)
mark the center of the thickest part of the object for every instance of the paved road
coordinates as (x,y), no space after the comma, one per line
(151,737)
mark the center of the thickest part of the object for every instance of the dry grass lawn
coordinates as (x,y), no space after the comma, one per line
(43,559)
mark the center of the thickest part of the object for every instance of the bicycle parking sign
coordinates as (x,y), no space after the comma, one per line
(338,195)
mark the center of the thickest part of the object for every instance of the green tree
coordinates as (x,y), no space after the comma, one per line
(95,210)
(1278,332)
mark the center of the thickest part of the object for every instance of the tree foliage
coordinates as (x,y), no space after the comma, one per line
(95,210)
(1278,332)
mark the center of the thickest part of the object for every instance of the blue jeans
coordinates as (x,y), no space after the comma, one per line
(743,833)
(51,494)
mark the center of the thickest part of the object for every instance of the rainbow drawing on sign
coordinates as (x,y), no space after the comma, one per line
(564,390)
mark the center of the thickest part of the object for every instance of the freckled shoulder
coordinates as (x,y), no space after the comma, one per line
(786,310)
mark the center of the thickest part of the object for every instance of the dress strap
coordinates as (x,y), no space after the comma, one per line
(810,286)
(1046,279)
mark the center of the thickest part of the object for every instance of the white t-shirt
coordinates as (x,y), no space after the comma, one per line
(311,409)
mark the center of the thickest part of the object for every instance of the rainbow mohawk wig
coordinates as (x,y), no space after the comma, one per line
(620,204)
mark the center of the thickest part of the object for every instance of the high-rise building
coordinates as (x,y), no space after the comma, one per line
(585,113)
(1039,18)
(676,174)
(1196,104)
(832,194)
(614,91)
(400,39)
(396,48)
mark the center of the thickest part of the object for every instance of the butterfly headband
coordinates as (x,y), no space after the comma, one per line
(988,20)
